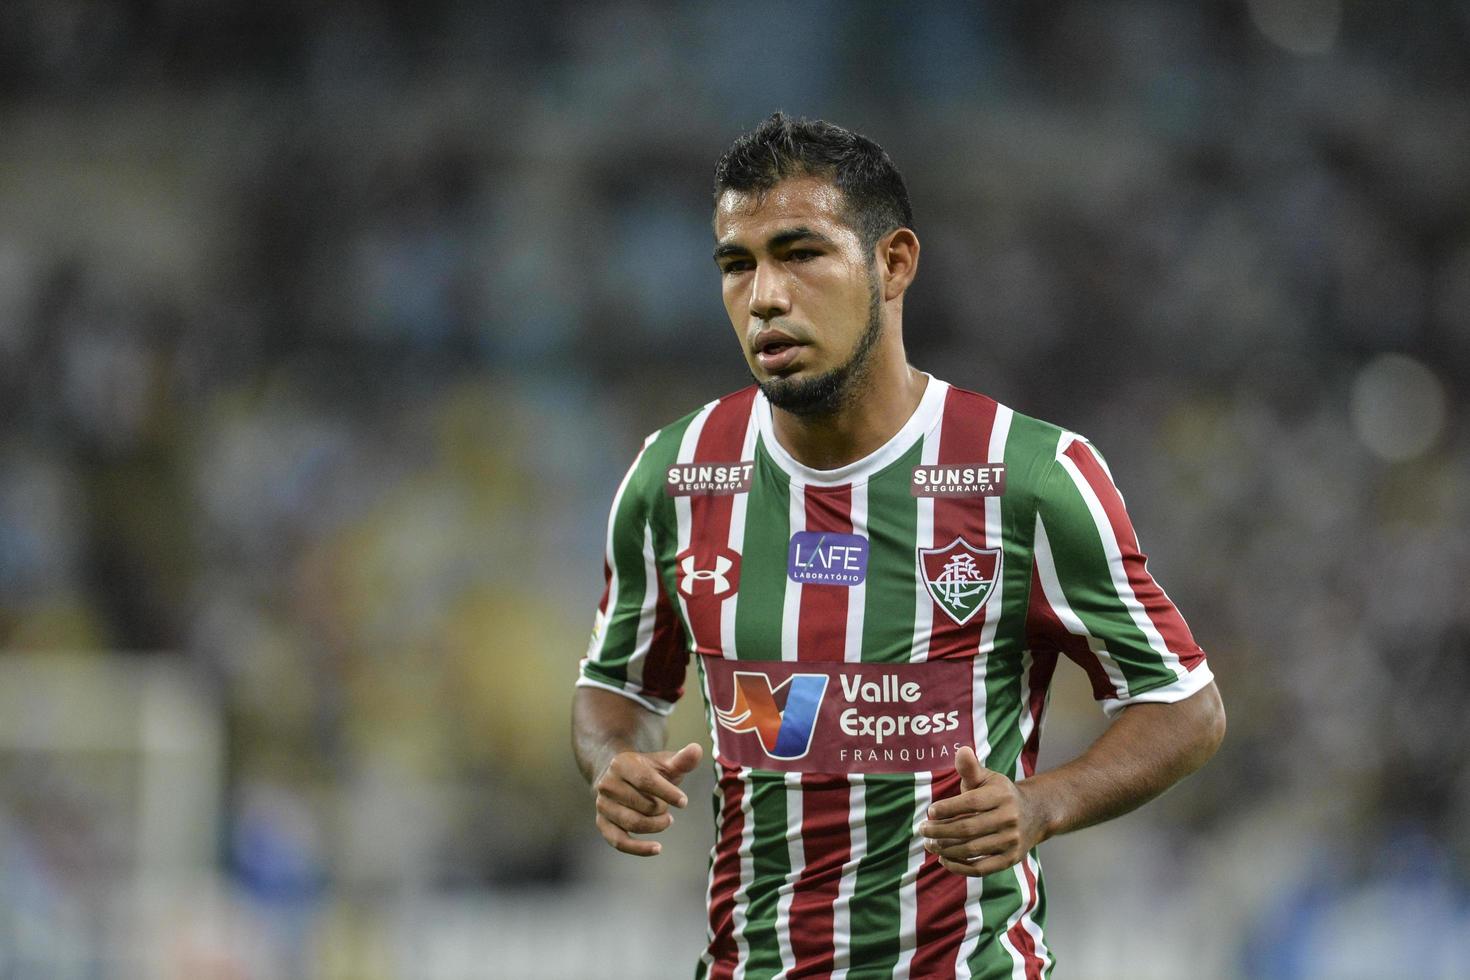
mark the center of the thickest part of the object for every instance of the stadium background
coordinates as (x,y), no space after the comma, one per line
(327,330)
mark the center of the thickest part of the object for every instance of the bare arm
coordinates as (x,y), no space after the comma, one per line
(604,724)
(994,822)
(618,745)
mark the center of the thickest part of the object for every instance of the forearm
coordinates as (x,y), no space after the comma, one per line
(1146,750)
(604,724)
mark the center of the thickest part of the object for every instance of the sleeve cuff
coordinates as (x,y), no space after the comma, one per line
(1191,683)
(656,705)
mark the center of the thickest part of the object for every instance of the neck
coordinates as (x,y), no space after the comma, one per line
(875,413)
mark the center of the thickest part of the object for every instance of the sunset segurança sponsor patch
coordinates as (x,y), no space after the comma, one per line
(709,479)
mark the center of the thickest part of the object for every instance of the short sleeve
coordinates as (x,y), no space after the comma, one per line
(1093,598)
(638,647)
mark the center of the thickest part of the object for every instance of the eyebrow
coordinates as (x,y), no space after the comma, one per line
(781,238)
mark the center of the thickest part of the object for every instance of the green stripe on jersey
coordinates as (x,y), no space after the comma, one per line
(1000,895)
(888,636)
(763,562)
(771,863)
(893,531)
(876,917)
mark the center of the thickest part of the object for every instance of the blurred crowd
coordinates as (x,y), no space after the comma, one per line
(327,331)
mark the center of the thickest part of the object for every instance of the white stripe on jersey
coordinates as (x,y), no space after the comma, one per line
(995,453)
(1027,921)
(857,595)
(924,536)
(974,890)
(740,911)
(857,835)
(688,446)
(647,617)
(736,542)
(796,854)
(908,886)
(791,608)
(1018,959)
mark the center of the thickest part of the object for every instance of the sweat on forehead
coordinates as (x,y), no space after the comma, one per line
(798,200)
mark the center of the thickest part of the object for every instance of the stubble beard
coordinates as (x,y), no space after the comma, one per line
(828,393)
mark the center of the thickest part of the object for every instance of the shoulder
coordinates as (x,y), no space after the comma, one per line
(680,440)
(1031,448)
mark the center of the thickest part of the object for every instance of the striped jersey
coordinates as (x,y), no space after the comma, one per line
(850,629)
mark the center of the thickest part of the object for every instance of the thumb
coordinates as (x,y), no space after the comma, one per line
(967,764)
(684,760)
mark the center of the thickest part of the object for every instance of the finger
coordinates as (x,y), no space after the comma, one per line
(683,761)
(651,783)
(967,764)
(960,868)
(990,845)
(994,864)
(970,825)
(620,791)
(631,820)
(619,838)
(980,800)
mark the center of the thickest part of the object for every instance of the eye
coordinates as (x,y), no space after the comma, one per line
(802,254)
(733,267)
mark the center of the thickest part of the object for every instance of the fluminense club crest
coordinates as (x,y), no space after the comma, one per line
(960,577)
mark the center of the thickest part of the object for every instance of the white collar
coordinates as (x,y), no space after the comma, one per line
(925,416)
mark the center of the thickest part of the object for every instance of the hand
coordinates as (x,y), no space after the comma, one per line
(634,793)
(988,827)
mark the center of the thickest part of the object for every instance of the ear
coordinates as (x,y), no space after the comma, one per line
(898,261)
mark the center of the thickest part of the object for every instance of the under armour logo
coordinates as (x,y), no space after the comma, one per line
(712,576)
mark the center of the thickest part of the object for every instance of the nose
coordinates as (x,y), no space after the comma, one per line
(769,297)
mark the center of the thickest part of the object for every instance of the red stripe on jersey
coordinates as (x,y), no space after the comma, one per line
(827,846)
(1043,665)
(1045,632)
(822,628)
(964,437)
(1160,610)
(1019,935)
(606,586)
(720,441)
(941,897)
(725,876)
(668,658)
(821,634)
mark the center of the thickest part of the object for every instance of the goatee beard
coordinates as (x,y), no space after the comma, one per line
(827,393)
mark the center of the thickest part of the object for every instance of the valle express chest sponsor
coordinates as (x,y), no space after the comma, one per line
(838,717)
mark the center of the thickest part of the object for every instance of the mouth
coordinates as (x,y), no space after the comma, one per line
(776,351)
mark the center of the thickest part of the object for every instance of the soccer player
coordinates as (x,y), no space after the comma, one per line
(874,574)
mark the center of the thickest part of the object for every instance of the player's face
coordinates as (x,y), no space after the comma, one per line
(798,288)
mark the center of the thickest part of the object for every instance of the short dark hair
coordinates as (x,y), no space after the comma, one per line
(875,198)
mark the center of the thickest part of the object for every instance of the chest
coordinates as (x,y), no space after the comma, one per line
(864,572)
